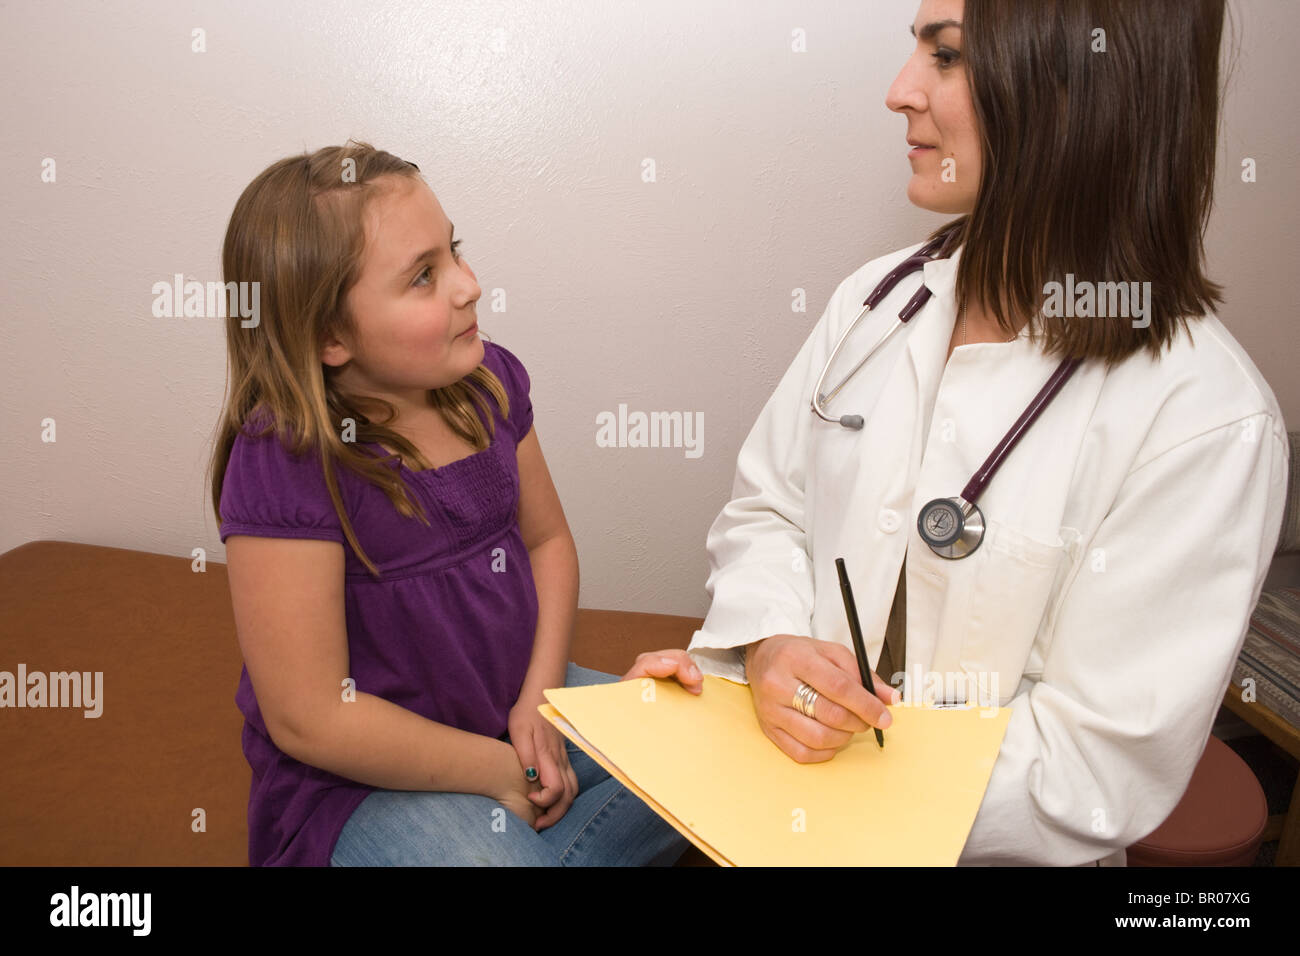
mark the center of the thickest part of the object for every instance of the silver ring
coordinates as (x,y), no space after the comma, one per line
(805,699)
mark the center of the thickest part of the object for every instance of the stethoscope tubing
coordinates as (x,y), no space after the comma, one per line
(979,481)
(912,263)
(962,517)
(898,324)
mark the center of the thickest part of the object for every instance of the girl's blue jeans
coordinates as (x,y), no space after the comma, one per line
(606,825)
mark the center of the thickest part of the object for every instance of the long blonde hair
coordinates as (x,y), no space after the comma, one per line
(298,231)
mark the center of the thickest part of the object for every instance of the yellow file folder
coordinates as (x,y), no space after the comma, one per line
(704,765)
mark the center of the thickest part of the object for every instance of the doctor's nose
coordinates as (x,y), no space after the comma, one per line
(905,91)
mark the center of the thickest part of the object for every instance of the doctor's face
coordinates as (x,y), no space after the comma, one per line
(932,91)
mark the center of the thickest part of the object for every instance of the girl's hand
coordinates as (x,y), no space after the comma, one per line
(540,745)
(513,790)
(674,662)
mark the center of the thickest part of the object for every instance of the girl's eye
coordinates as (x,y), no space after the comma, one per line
(426,270)
(946,57)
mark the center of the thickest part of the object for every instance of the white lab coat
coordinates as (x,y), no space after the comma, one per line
(1128,536)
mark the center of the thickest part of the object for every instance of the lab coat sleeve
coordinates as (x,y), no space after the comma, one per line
(760,577)
(1099,752)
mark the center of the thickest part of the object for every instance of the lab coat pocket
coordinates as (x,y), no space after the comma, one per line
(1011,594)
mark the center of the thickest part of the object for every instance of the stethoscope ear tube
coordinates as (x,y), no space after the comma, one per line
(912,263)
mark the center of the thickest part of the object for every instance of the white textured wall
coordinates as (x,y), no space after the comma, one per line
(776,171)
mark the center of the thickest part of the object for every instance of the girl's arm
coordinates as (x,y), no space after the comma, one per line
(554,559)
(289,612)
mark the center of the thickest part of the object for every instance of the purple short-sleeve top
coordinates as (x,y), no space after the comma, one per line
(446,630)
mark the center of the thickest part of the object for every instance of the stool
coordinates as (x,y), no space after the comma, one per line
(1219,821)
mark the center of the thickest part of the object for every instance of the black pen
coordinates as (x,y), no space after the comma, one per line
(855,629)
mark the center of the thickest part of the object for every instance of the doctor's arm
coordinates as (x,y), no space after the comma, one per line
(760,575)
(761,579)
(1098,753)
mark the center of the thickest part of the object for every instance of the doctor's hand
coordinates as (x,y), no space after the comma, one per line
(777,665)
(674,662)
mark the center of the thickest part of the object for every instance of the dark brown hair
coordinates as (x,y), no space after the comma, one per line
(298,231)
(1096,164)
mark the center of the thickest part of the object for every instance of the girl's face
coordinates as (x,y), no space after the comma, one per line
(932,91)
(413,306)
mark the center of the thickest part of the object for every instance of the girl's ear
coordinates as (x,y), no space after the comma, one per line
(335,353)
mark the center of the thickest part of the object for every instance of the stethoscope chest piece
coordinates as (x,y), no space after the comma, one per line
(952,527)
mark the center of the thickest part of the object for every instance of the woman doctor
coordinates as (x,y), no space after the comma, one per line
(1126,536)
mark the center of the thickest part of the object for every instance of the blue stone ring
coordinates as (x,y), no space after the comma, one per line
(531,774)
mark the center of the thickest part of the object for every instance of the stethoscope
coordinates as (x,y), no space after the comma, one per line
(952,527)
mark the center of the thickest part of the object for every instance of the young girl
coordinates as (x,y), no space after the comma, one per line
(403,579)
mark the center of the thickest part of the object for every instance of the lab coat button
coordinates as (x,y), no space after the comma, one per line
(888,520)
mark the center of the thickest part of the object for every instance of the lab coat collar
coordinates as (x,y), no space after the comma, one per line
(927,345)
(941,275)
